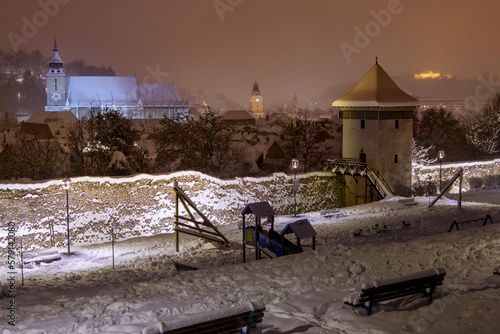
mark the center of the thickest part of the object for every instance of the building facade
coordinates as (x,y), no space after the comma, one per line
(81,94)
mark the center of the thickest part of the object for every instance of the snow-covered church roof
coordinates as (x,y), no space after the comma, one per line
(86,91)
(160,94)
(376,89)
(96,91)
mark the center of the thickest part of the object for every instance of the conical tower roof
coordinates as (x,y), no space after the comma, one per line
(55,63)
(376,89)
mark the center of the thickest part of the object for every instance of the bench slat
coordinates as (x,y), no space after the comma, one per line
(230,324)
(416,284)
(423,285)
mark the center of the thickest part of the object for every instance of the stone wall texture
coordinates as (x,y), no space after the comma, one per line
(145,204)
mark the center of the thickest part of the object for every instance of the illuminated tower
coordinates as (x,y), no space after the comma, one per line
(56,82)
(295,102)
(256,101)
(377,123)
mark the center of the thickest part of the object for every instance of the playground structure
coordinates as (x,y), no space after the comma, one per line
(190,225)
(459,175)
(269,242)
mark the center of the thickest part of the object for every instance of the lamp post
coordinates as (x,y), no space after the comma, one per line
(295,165)
(441,156)
(66,183)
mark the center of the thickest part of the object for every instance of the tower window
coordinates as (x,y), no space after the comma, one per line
(55,83)
(395,158)
(396,124)
(362,124)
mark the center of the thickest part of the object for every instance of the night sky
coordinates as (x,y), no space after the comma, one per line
(289,46)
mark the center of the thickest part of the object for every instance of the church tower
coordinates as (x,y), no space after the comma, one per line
(256,101)
(56,82)
(377,125)
(295,102)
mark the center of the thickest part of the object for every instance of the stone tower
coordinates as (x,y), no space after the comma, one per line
(256,101)
(56,82)
(377,127)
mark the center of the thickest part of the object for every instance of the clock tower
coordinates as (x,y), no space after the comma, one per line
(256,101)
(56,82)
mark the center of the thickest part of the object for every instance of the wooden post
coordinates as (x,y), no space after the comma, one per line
(366,188)
(113,246)
(257,250)
(51,227)
(460,188)
(244,240)
(22,261)
(176,218)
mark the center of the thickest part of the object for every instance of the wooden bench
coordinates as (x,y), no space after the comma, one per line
(239,319)
(424,282)
(180,266)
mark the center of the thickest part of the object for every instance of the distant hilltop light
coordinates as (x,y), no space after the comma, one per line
(432,75)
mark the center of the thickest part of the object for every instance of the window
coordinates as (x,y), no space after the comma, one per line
(396,123)
(55,83)
(362,124)
(395,158)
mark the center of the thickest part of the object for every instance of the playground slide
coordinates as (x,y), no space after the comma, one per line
(271,240)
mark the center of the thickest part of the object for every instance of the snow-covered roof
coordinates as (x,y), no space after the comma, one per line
(301,228)
(376,89)
(102,90)
(158,94)
(237,115)
(46,116)
(259,209)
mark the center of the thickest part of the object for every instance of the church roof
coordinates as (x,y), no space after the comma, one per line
(101,90)
(237,115)
(43,117)
(55,54)
(376,89)
(158,94)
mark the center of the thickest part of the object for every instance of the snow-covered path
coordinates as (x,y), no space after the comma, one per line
(303,293)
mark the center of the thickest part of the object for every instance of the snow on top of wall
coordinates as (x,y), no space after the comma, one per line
(460,164)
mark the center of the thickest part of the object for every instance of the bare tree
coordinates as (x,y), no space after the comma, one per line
(204,145)
(300,138)
(34,159)
(483,129)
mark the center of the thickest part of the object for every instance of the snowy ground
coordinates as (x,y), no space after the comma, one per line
(302,293)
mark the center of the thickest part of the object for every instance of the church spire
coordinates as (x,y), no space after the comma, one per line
(55,63)
(255,90)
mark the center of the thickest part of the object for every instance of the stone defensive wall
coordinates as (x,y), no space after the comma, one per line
(144,205)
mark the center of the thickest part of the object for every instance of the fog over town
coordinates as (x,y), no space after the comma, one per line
(226,166)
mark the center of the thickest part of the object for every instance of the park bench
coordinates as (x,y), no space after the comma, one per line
(239,319)
(424,282)
(180,266)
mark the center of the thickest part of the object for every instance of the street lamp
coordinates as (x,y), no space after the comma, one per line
(66,183)
(441,156)
(295,165)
